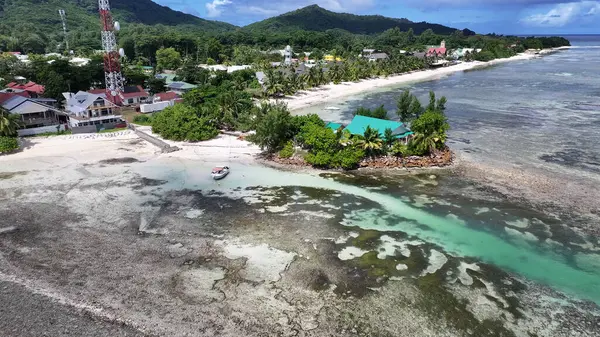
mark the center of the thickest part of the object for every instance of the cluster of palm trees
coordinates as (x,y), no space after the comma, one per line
(286,81)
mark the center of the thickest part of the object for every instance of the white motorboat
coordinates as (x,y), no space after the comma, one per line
(332,108)
(219,172)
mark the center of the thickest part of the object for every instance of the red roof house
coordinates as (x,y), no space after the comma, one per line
(32,88)
(167,96)
(130,95)
(436,52)
(441,51)
(7,94)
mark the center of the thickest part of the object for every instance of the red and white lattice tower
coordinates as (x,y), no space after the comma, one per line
(112,67)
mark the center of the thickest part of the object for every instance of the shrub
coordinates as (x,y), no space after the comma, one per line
(319,159)
(287,151)
(182,123)
(348,158)
(301,121)
(8,144)
(273,129)
(401,150)
(318,138)
(142,119)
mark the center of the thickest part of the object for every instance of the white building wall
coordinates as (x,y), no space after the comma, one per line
(42,129)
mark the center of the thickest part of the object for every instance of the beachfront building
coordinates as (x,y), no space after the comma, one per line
(377,57)
(460,53)
(87,109)
(36,117)
(360,123)
(131,95)
(437,52)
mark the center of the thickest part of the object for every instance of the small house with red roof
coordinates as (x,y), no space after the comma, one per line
(32,88)
(167,96)
(134,95)
(437,52)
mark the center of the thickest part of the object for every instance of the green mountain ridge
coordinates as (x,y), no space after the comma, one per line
(42,15)
(315,18)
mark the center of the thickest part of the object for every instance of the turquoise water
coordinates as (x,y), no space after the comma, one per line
(533,260)
(541,113)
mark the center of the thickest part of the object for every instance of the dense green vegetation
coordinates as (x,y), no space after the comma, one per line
(8,131)
(220,102)
(8,144)
(148,27)
(277,131)
(35,26)
(58,76)
(315,18)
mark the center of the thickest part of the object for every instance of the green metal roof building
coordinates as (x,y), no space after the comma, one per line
(360,123)
(333,126)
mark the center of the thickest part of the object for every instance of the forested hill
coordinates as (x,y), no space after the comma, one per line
(41,16)
(315,18)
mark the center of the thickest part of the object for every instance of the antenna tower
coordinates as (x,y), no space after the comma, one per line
(63,18)
(112,67)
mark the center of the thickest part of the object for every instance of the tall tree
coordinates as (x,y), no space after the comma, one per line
(167,58)
(403,105)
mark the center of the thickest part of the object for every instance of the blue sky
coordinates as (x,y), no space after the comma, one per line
(482,16)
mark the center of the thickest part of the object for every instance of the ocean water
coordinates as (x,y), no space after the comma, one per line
(539,113)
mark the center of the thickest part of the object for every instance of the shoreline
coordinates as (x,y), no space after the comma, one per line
(306,98)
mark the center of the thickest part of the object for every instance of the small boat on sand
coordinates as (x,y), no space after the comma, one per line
(219,172)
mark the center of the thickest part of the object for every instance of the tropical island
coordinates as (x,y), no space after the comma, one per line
(224,78)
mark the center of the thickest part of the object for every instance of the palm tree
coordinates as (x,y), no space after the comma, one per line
(9,123)
(274,83)
(388,137)
(370,141)
(336,73)
(321,78)
(313,77)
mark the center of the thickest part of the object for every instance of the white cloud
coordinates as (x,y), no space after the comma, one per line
(256,10)
(563,14)
(214,9)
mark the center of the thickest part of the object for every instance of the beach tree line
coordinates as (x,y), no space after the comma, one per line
(287,81)
(280,133)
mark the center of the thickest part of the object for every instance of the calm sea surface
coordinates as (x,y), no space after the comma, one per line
(539,113)
(543,114)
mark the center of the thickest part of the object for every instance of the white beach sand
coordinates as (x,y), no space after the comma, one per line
(332,91)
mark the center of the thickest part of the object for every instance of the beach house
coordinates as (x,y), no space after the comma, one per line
(437,52)
(36,117)
(131,95)
(360,123)
(90,110)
